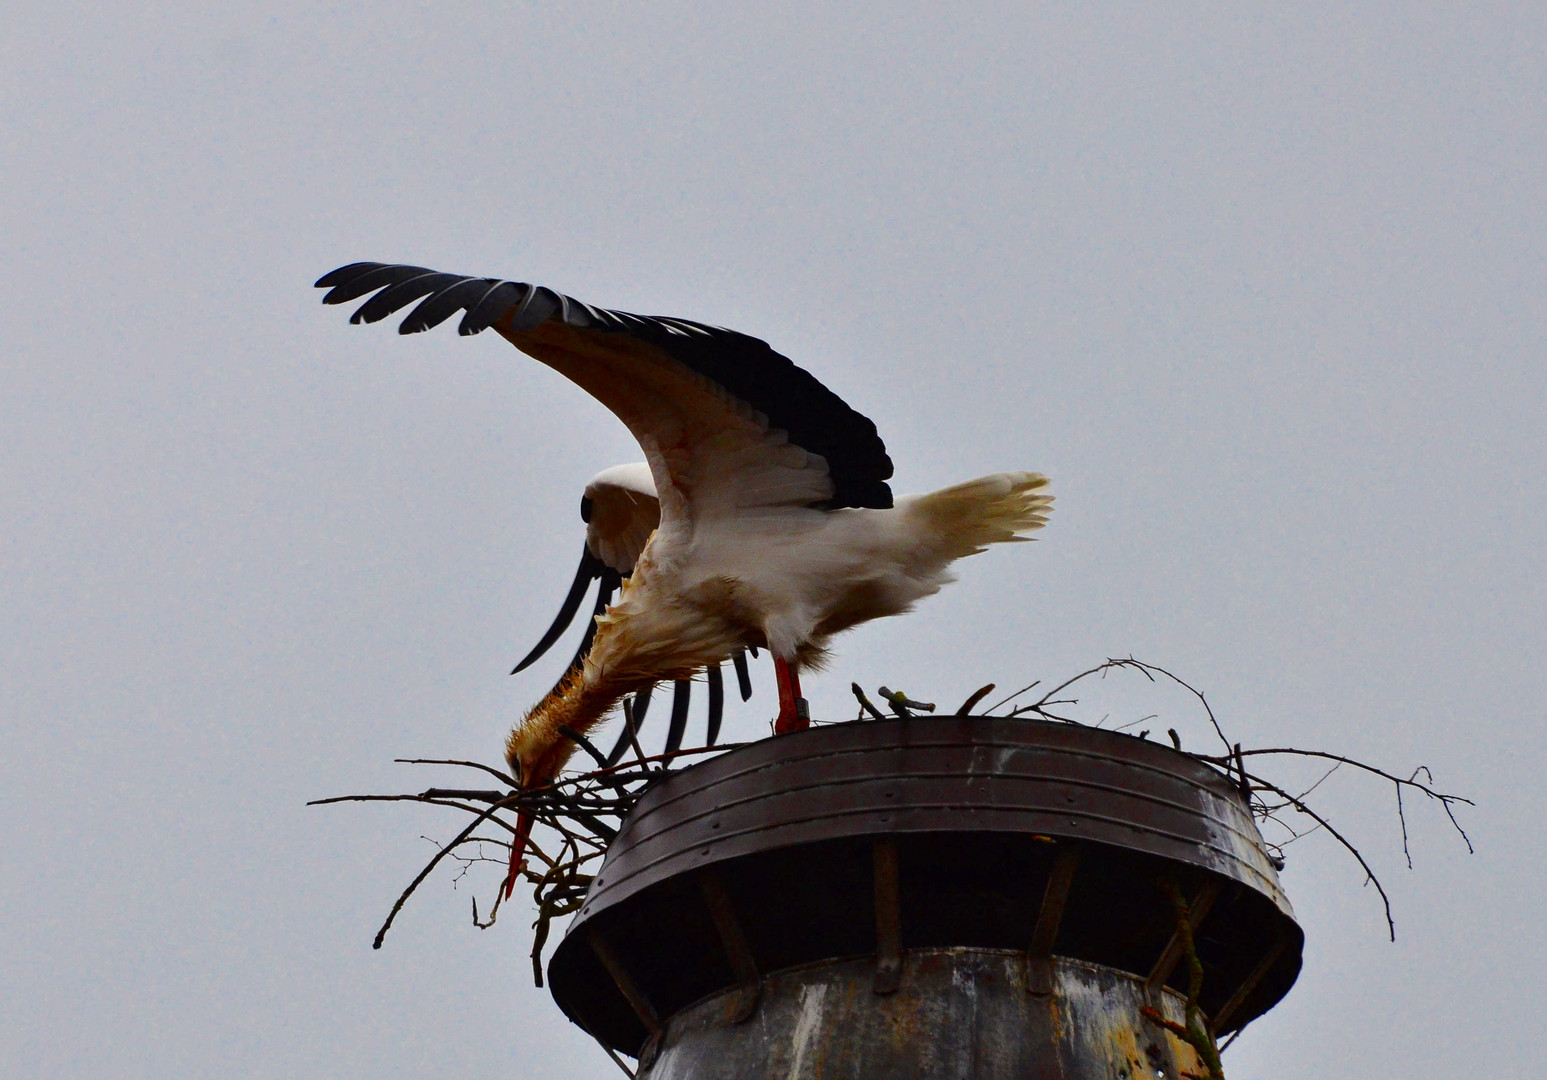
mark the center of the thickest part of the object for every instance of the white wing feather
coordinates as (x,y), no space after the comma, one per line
(711,455)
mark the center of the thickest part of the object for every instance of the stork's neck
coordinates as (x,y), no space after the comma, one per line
(537,749)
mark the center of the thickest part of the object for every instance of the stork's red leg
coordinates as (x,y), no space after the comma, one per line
(794,713)
(518,849)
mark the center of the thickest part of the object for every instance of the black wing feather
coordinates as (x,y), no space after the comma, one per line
(591,569)
(495,303)
(538,306)
(716,704)
(371,280)
(681,697)
(610,580)
(790,397)
(636,712)
(401,295)
(743,676)
(623,741)
(346,273)
(446,303)
(642,705)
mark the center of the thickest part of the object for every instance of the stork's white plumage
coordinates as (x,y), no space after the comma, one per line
(620,511)
(777,525)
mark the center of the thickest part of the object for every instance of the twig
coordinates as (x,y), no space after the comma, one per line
(616,1060)
(1152,669)
(632,727)
(1047,697)
(976,696)
(1011,697)
(494,912)
(1411,782)
(1391,925)
(585,744)
(1136,723)
(496,773)
(901,703)
(464,793)
(431,865)
(865,703)
(1444,799)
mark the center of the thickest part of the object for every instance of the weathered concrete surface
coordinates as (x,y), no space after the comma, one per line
(960,1014)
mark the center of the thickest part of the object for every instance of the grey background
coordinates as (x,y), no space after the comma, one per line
(1261,289)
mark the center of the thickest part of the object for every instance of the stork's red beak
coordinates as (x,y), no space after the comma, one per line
(518,849)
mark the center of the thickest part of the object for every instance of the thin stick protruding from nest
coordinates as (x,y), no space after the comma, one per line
(573,807)
(1233,763)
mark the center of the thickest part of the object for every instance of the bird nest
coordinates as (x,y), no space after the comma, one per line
(576,811)
(581,813)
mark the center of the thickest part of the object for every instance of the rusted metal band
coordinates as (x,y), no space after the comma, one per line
(1197,911)
(734,940)
(1039,954)
(888,976)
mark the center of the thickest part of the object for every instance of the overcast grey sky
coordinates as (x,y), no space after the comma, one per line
(1261,288)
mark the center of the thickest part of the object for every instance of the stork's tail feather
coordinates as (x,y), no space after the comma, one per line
(966,518)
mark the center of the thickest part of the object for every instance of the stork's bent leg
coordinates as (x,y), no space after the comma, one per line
(794,713)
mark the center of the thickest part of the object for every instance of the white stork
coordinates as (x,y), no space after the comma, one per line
(777,525)
(620,511)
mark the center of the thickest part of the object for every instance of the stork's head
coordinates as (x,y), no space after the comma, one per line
(534,761)
(536,749)
(531,768)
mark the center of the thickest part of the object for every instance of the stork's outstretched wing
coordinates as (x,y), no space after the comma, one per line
(726,423)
